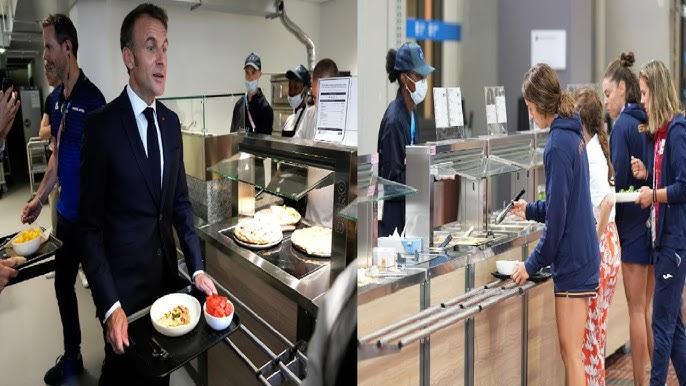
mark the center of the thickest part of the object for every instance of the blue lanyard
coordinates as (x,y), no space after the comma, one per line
(413,128)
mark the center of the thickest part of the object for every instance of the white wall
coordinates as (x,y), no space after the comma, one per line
(338,34)
(641,26)
(377,32)
(479,57)
(207,49)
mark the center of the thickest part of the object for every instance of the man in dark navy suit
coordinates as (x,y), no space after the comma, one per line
(133,191)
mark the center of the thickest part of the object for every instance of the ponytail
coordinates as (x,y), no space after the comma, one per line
(542,88)
(566,107)
(590,109)
(393,74)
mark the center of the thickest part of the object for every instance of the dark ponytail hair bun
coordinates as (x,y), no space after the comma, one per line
(393,74)
(626,59)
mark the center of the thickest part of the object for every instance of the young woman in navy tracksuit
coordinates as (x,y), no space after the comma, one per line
(398,126)
(622,102)
(569,243)
(667,195)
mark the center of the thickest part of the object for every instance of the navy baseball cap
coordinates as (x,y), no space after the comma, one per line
(299,73)
(253,61)
(410,57)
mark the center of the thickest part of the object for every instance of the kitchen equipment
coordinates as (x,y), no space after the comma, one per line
(504,212)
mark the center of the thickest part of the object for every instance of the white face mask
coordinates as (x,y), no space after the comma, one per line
(420,88)
(251,86)
(295,101)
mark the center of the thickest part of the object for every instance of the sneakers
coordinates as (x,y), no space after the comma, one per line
(65,369)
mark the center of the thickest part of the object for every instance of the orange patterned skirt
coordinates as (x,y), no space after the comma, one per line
(596,321)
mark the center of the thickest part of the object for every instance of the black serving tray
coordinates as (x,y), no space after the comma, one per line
(180,349)
(539,277)
(32,268)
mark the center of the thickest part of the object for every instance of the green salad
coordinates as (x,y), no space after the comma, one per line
(630,190)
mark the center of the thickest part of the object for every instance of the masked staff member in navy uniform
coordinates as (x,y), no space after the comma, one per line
(299,83)
(134,195)
(258,117)
(623,104)
(75,98)
(569,243)
(667,195)
(399,125)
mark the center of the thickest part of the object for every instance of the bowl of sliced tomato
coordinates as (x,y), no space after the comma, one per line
(218,312)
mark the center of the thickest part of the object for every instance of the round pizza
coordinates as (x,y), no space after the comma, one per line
(315,241)
(256,232)
(282,215)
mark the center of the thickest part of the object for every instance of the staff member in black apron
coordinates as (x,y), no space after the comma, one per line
(258,117)
(398,126)
(299,83)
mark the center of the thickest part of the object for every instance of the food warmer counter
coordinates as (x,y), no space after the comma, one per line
(283,285)
(456,180)
(447,319)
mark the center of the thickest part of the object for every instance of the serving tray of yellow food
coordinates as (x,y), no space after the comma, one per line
(27,251)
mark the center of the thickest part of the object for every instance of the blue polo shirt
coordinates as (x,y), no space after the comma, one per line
(51,104)
(84,99)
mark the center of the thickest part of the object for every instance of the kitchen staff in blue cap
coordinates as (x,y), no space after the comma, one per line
(399,125)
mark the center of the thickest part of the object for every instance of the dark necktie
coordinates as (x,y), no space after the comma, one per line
(153,150)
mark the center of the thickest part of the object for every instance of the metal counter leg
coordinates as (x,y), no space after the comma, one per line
(425,343)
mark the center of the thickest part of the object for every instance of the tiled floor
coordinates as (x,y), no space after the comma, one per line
(620,371)
(30,328)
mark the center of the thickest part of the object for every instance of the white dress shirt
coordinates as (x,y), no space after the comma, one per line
(308,124)
(139,106)
(293,118)
(598,170)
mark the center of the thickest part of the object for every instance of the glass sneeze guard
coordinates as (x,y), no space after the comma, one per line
(281,178)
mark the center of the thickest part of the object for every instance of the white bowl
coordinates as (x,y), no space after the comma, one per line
(215,322)
(167,303)
(505,267)
(27,248)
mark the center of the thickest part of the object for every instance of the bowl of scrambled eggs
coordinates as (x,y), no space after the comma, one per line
(27,242)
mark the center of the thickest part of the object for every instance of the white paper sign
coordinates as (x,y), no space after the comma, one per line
(500,108)
(441,107)
(550,47)
(455,107)
(491,116)
(350,136)
(332,110)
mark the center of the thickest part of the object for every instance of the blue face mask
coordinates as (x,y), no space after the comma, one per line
(251,86)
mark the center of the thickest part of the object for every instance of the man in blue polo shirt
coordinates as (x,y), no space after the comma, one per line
(76,98)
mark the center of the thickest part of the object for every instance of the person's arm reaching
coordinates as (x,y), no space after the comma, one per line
(557,197)
(33,208)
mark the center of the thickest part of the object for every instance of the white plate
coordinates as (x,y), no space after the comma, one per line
(256,246)
(167,303)
(626,197)
(304,251)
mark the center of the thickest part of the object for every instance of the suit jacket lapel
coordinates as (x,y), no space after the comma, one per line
(131,129)
(167,150)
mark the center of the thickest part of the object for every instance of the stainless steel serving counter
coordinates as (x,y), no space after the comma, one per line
(444,264)
(306,291)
